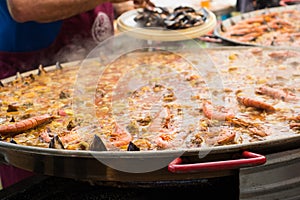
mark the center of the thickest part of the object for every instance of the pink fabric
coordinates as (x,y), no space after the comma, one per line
(10,175)
(75,35)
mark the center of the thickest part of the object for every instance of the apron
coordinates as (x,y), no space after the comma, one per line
(78,35)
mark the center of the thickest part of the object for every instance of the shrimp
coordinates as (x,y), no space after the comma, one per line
(255,129)
(226,138)
(70,137)
(294,118)
(279,23)
(283,54)
(250,102)
(257,51)
(217,113)
(277,93)
(250,37)
(170,139)
(120,137)
(295,126)
(254,20)
(164,140)
(258,131)
(25,124)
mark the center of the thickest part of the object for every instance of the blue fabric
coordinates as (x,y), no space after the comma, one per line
(28,36)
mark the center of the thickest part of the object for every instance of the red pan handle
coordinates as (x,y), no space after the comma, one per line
(248,159)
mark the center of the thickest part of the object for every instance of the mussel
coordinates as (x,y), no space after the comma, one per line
(181,17)
(58,65)
(97,144)
(56,143)
(132,147)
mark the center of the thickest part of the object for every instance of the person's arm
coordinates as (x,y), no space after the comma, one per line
(51,10)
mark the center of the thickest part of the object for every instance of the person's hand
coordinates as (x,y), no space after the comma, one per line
(137,3)
(121,7)
(143,3)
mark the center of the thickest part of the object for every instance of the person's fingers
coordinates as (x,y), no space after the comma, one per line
(138,2)
(150,3)
(143,3)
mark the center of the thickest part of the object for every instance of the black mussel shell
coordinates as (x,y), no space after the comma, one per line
(56,143)
(12,119)
(12,141)
(184,9)
(132,147)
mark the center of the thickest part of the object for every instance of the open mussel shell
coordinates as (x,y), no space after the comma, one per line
(97,144)
(184,9)
(132,147)
(58,65)
(56,143)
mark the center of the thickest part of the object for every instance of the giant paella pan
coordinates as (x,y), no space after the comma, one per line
(152,108)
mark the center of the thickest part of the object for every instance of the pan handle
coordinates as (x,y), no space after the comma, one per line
(248,159)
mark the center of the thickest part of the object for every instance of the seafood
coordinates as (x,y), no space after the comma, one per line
(168,125)
(150,17)
(250,102)
(274,28)
(283,54)
(24,125)
(45,137)
(226,138)
(170,139)
(294,122)
(72,140)
(164,140)
(120,137)
(295,126)
(216,113)
(294,118)
(41,70)
(56,143)
(283,95)
(132,147)
(97,144)
(181,17)
(173,109)
(255,129)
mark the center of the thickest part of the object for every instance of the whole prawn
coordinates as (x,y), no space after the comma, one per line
(277,93)
(25,124)
(295,126)
(294,118)
(250,102)
(295,122)
(120,137)
(216,112)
